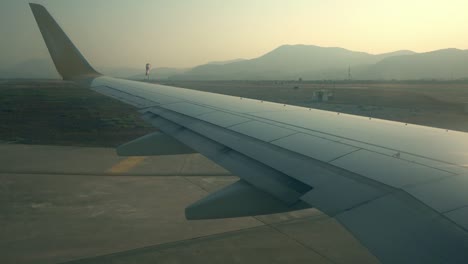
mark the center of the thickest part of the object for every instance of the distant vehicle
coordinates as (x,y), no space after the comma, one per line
(400,189)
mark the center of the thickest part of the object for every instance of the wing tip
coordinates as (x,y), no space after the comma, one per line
(35,6)
(68,60)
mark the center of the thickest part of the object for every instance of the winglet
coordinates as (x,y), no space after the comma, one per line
(67,58)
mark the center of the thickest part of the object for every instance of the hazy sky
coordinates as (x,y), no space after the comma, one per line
(184,33)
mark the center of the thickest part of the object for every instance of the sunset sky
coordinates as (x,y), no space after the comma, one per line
(185,33)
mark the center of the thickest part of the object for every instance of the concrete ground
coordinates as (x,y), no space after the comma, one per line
(86,205)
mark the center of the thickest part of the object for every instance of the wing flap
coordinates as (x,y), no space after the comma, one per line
(299,167)
(237,200)
(400,223)
(338,198)
(287,176)
(273,182)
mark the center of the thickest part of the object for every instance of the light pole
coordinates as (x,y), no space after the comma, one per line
(148,68)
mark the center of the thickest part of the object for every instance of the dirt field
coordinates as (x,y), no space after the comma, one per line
(60,113)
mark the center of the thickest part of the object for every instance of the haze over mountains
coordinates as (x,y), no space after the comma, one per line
(290,62)
(34,69)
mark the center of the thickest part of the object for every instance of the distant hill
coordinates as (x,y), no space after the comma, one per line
(290,62)
(382,56)
(441,64)
(225,62)
(309,62)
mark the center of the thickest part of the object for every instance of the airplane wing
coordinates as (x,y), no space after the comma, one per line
(400,189)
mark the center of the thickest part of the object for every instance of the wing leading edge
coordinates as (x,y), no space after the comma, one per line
(406,208)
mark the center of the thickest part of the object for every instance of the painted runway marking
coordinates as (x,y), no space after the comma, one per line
(126,164)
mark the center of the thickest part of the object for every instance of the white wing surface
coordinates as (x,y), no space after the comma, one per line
(401,189)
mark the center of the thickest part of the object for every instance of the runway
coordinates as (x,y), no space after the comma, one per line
(87,205)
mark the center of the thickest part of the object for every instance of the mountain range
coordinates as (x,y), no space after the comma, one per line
(290,62)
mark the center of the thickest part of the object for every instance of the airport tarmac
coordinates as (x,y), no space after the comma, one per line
(87,205)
